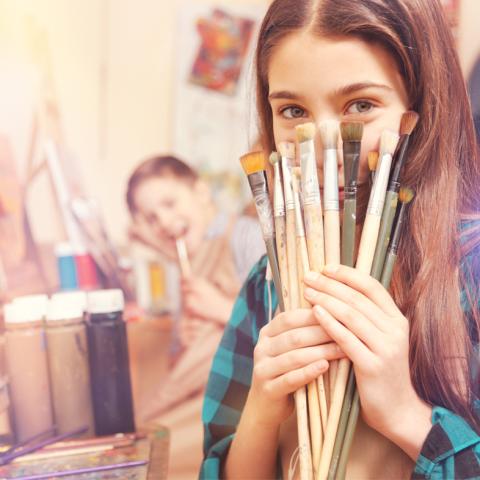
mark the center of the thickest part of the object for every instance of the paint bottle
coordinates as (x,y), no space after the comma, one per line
(86,270)
(27,367)
(109,363)
(68,363)
(67,270)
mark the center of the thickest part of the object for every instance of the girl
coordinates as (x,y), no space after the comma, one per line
(412,348)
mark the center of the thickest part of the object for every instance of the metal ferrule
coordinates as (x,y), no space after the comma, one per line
(308,164)
(379,188)
(278,202)
(330,180)
(258,184)
(299,228)
(287,184)
(399,160)
(351,158)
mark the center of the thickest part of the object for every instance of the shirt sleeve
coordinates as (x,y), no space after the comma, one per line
(231,372)
(451,449)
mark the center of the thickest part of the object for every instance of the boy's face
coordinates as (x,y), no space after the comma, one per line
(173,208)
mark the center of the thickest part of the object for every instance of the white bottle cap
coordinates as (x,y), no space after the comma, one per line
(21,312)
(74,296)
(105,301)
(36,304)
(66,306)
(64,249)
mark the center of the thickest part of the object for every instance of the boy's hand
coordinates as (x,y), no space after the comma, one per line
(204,300)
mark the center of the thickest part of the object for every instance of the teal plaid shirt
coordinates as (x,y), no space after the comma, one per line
(451,449)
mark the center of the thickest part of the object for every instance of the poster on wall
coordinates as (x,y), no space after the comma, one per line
(214,102)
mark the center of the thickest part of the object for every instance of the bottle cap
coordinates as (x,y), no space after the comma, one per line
(35,304)
(66,306)
(64,249)
(23,312)
(105,301)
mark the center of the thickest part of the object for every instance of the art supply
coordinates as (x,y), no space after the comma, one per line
(68,364)
(157,287)
(27,366)
(87,277)
(407,124)
(254,165)
(109,363)
(183,260)
(67,269)
(372,160)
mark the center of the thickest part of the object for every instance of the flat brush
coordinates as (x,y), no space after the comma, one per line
(407,124)
(253,165)
(352,136)
(372,159)
(280,226)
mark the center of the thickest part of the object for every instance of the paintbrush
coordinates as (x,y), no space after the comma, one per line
(372,159)
(305,410)
(351,133)
(314,414)
(280,226)
(368,240)
(183,261)
(371,225)
(407,124)
(253,164)
(352,136)
(312,213)
(287,152)
(328,130)
(405,196)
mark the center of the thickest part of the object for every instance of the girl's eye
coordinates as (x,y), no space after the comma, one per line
(362,106)
(293,112)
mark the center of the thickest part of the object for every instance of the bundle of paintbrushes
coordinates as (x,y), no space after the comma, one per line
(303,232)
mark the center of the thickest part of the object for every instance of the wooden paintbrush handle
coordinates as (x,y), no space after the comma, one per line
(334,417)
(388,269)
(272,258)
(306,467)
(292,260)
(281,241)
(388,214)
(312,215)
(348,231)
(368,243)
(332,236)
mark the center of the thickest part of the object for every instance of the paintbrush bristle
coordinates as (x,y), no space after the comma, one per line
(274,158)
(305,132)
(287,149)
(388,142)
(372,158)
(405,195)
(351,131)
(253,162)
(329,133)
(296,176)
(408,122)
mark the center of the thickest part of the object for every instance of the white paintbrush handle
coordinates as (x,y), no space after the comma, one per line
(332,237)
(368,242)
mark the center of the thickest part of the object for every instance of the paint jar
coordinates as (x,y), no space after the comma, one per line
(109,363)
(68,363)
(86,270)
(27,367)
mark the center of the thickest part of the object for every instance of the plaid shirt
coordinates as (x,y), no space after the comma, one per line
(451,449)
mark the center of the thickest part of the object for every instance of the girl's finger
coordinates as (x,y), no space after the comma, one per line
(295,379)
(272,367)
(358,324)
(365,284)
(353,347)
(358,301)
(289,320)
(295,339)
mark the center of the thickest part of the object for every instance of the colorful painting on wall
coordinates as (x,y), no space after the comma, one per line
(224,44)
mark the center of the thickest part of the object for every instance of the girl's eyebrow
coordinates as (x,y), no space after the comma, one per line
(284,94)
(355,87)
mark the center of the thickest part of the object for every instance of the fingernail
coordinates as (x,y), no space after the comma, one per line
(311,276)
(310,292)
(330,269)
(319,311)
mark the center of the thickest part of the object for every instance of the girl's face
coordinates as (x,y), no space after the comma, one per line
(312,79)
(171,208)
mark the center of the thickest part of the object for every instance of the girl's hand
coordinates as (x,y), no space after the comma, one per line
(292,350)
(358,313)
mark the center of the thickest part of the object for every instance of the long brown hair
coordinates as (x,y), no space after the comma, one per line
(442,169)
